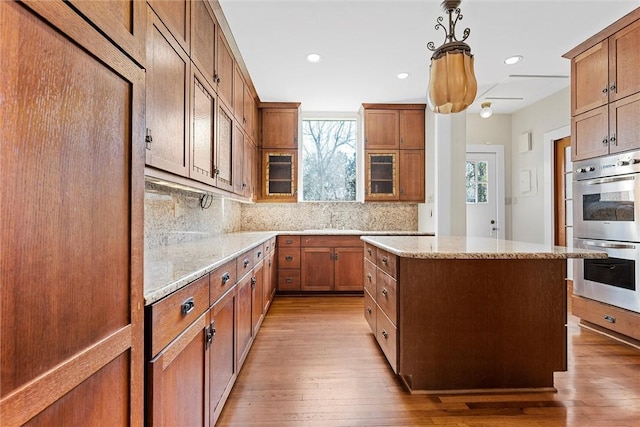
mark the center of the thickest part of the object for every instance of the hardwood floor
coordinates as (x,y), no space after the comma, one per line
(316,363)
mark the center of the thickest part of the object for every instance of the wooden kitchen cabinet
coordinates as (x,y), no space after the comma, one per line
(176,16)
(203,141)
(394,126)
(280,123)
(381,175)
(243,103)
(167,103)
(71,319)
(244,327)
(411,175)
(331,263)
(223,159)
(288,263)
(279,175)
(604,90)
(224,70)
(204,28)
(270,276)
(257,294)
(249,170)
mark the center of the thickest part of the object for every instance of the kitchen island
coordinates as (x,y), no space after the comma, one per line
(459,315)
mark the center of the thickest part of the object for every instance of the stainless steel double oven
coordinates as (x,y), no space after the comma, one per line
(606,203)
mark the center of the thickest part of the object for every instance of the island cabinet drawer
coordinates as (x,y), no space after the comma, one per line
(370,277)
(244,263)
(258,254)
(288,242)
(330,241)
(370,311)
(174,313)
(269,245)
(607,316)
(288,279)
(288,257)
(386,295)
(370,253)
(387,262)
(387,337)
(221,280)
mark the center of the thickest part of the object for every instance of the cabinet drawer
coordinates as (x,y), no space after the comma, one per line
(288,241)
(370,277)
(370,253)
(244,263)
(330,241)
(387,262)
(258,254)
(288,257)
(269,245)
(172,314)
(607,316)
(288,279)
(386,294)
(221,280)
(370,311)
(386,335)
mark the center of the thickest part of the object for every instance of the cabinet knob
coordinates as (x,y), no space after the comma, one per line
(369,277)
(187,306)
(225,278)
(384,260)
(605,90)
(148,139)
(259,254)
(253,282)
(384,292)
(613,139)
(288,280)
(245,263)
(289,258)
(369,310)
(605,140)
(385,334)
(612,88)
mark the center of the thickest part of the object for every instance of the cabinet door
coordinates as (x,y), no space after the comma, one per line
(72,199)
(257,291)
(239,184)
(176,15)
(412,175)
(244,329)
(349,269)
(224,70)
(590,134)
(381,129)
(222,362)
(279,175)
(589,79)
(381,175)
(238,95)
(203,109)
(317,269)
(203,39)
(121,21)
(624,62)
(270,279)
(178,383)
(224,149)
(279,128)
(412,129)
(249,169)
(248,112)
(624,126)
(167,88)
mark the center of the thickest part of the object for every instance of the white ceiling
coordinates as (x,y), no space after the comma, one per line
(364,44)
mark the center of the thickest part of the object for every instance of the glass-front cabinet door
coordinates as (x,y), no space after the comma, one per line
(381,175)
(279,175)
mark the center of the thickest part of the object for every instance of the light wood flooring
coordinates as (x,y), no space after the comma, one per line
(315,363)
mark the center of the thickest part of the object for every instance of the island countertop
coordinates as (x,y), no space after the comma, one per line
(455,247)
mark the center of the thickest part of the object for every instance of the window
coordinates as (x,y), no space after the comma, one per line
(477,181)
(329,159)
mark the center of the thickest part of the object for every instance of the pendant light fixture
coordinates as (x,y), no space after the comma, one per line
(452,82)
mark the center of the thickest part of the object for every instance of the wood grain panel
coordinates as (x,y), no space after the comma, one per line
(221,280)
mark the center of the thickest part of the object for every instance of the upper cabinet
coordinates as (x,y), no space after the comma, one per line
(176,15)
(394,152)
(224,70)
(203,39)
(604,85)
(279,125)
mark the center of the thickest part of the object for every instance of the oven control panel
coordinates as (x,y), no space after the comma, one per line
(617,164)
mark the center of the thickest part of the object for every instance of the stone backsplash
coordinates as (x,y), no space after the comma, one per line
(174,215)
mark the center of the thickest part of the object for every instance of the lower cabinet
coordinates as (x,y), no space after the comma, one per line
(331,263)
(199,336)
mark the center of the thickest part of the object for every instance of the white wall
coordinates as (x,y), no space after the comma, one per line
(528,209)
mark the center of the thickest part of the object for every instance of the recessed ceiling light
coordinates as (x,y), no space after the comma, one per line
(513,59)
(313,57)
(402,76)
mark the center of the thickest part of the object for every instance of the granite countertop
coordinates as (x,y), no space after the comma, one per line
(430,247)
(169,268)
(352,232)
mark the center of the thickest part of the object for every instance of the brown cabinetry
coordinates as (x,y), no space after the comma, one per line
(604,317)
(71,322)
(204,28)
(604,89)
(224,70)
(331,263)
(243,104)
(167,89)
(288,263)
(279,125)
(176,15)
(279,175)
(394,152)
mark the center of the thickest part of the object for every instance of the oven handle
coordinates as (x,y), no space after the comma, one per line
(612,179)
(609,245)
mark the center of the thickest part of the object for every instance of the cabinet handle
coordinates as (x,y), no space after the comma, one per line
(253,282)
(288,280)
(269,263)
(605,140)
(289,258)
(148,139)
(288,241)
(225,278)
(385,334)
(401,140)
(613,139)
(605,90)
(259,254)
(369,277)
(209,334)
(369,310)
(609,318)
(216,77)
(612,88)
(384,292)
(187,306)
(369,251)
(384,260)
(245,263)
(335,256)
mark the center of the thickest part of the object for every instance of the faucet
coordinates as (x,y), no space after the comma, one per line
(330,214)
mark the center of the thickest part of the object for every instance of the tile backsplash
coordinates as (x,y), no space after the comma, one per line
(174,215)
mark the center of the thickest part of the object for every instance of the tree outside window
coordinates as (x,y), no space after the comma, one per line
(477,182)
(329,160)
